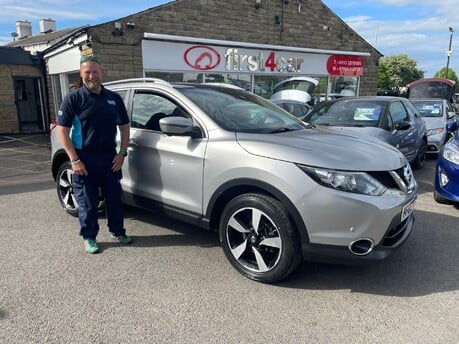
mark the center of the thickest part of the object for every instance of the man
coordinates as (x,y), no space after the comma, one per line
(87,122)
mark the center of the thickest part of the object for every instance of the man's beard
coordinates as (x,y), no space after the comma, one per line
(93,85)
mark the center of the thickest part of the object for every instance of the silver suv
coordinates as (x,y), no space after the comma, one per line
(277,190)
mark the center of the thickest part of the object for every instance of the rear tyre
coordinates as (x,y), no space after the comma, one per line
(259,239)
(64,188)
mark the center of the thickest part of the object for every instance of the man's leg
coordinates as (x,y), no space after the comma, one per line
(87,195)
(114,208)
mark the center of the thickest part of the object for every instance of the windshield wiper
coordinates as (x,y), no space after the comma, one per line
(281,130)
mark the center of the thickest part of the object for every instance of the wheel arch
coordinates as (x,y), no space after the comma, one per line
(237,187)
(59,158)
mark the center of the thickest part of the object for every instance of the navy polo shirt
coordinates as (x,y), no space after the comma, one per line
(93,118)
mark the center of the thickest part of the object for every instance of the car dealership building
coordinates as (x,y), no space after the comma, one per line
(252,44)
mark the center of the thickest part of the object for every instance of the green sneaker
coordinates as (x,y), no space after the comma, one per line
(122,239)
(90,246)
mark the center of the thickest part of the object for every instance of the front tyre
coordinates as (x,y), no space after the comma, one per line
(421,156)
(259,239)
(440,199)
(64,188)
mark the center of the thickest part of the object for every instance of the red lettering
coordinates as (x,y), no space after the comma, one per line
(271,61)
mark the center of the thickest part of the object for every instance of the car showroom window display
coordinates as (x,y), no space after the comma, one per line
(277,190)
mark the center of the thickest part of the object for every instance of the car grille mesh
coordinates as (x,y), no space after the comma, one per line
(401,179)
(385,179)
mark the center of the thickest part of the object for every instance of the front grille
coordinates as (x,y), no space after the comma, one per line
(401,178)
(385,179)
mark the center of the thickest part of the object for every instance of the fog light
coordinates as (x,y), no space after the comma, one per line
(443,179)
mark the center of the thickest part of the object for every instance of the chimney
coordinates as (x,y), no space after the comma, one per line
(47,25)
(23,28)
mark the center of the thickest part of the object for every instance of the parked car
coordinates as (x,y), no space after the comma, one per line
(298,88)
(447,169)
(297,108)
(394,120)
(436,113)
(277,190)
(433,88)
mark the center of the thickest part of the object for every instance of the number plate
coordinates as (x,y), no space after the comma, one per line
(408,209)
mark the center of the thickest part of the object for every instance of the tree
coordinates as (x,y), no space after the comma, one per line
(442,74)
(396,71)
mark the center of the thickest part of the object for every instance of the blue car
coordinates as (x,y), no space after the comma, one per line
(447,170)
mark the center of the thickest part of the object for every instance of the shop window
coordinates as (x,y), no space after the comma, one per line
(264,85)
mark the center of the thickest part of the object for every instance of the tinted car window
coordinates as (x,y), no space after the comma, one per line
(429,108)
(398,113)
(148,108)
(349,113)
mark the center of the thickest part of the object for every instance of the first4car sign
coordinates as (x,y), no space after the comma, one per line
(225,57)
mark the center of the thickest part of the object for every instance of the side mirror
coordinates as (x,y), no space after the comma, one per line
(180,126)
(401,125)
(451,114)
(451,126)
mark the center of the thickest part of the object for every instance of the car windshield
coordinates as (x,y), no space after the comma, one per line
(241,111)
(348,113)
(429,108)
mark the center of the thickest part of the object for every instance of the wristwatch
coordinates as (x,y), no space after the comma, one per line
(122,152)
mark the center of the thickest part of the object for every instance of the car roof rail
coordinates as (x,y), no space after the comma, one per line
(132,80)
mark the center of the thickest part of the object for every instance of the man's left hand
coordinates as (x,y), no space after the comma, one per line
(117,162)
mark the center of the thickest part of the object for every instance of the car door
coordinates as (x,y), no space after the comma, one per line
(162,168)
(403,139)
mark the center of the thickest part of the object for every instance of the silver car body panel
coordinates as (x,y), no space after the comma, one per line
(189,173)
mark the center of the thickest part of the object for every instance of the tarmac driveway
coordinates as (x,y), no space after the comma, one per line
(24,163)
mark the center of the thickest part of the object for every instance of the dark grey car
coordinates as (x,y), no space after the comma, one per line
(394,120)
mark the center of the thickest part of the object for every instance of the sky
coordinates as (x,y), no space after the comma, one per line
(417,28)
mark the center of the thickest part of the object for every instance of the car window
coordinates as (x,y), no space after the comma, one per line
(429,108)
(298,110)
(367,113)
(348,113)
(413,112)
(123,94)
(148,108)
(398,112)
(241,111)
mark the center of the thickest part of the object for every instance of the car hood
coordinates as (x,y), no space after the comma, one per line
(327,148)
(371,132)
(434,122)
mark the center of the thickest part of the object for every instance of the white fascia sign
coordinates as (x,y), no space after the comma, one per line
(178,53)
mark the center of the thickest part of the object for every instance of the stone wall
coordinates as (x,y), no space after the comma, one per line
(313,25)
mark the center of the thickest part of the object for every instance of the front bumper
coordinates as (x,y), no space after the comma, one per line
(395,236)
(434,143)
(450,190)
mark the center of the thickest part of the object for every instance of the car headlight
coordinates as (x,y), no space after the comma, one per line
(356,182)
(451,153)
(436,131)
